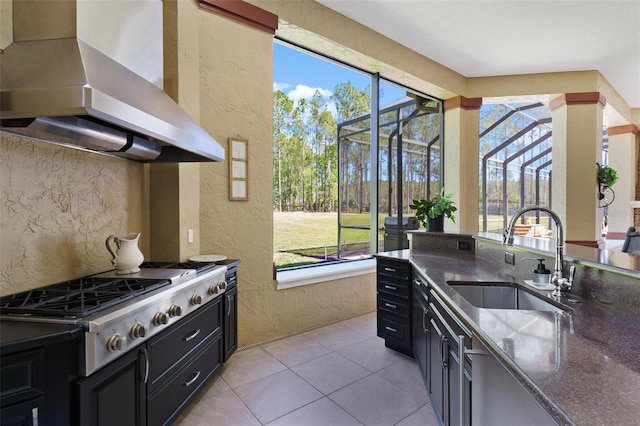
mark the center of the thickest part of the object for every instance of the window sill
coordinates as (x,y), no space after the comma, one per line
(318,274)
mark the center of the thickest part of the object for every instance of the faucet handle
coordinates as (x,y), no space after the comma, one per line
(507,238)
(572,274)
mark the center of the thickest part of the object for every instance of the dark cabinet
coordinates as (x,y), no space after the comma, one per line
(182,361)
(456,399)
(436,345)
(420,324)
(115,394)
(436,331)
(173,348)
(172,395)
(37,371)
(231,313)
(26,413)
(448,364)
(152,383)
(393,283)
(23,387)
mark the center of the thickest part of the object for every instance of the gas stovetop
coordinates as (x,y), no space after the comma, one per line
(78,298)
(120,312)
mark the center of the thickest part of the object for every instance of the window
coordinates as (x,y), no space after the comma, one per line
(328,175)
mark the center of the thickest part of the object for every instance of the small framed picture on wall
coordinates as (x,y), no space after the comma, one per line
(238,155)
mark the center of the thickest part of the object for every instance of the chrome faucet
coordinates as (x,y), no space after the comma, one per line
(562,284)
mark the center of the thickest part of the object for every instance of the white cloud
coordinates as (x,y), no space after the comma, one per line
(305,92)
(280,86)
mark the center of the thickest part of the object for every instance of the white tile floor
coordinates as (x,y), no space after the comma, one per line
(339,375)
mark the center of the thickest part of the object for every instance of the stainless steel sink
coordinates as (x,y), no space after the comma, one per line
(499,295)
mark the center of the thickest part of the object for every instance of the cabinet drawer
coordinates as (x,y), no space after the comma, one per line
(393,287)
(398,270)
(165,403)
(393,329)
(169,349)
(393,306)
(24,413)
(22,376)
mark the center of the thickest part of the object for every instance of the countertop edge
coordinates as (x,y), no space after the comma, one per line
(38,335)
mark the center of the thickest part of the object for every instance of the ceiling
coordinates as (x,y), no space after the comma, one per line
(480,38)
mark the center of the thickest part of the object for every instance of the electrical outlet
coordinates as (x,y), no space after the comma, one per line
(190,236)
(464,245)
(509,258)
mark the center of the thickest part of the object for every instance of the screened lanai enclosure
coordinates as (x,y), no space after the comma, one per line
(408,166)
(515,154)
(514,158)
(515,146)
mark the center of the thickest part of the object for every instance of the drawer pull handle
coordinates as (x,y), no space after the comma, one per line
(425,327)
(390,269)
(389,305)
(391,329)
(390,287)
(192,335)
(190,382)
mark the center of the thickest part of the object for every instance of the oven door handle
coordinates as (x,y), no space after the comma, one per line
(146,365)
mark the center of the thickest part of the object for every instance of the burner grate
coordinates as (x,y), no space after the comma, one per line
(77,298)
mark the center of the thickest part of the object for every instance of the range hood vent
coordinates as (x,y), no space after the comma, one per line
(65,91)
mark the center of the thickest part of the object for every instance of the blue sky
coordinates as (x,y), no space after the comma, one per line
(299,75)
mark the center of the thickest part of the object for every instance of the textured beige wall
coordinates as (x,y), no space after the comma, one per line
(236,100)
(58,207)
(6,23)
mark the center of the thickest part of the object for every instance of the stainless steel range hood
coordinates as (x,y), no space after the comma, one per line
(57,86)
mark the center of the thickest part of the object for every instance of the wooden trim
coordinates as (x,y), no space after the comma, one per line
(586,243)
(242,12)
(586,98)
(616,235)
(462,103)
(621,130)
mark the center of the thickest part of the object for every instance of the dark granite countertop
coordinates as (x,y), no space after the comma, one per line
(17,336)
(582,365)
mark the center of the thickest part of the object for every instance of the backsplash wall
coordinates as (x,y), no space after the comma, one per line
(58,207)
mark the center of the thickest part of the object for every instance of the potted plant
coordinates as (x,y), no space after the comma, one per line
(607,176)
(431,212)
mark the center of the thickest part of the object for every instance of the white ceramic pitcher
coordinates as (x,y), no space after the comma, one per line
(128,257)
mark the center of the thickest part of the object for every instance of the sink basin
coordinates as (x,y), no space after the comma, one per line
(499,295)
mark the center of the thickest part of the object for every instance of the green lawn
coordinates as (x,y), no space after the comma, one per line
(300,231)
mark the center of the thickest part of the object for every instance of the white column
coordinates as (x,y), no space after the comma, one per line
(461,135)
(577,147)
(623,157)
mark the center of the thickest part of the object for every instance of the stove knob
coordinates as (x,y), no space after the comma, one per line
(222,285)
(213,290)
(138,330)
(115,343)
(160,318)
(175,310)
(196,299)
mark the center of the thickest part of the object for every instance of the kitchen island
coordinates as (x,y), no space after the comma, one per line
(579,363)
